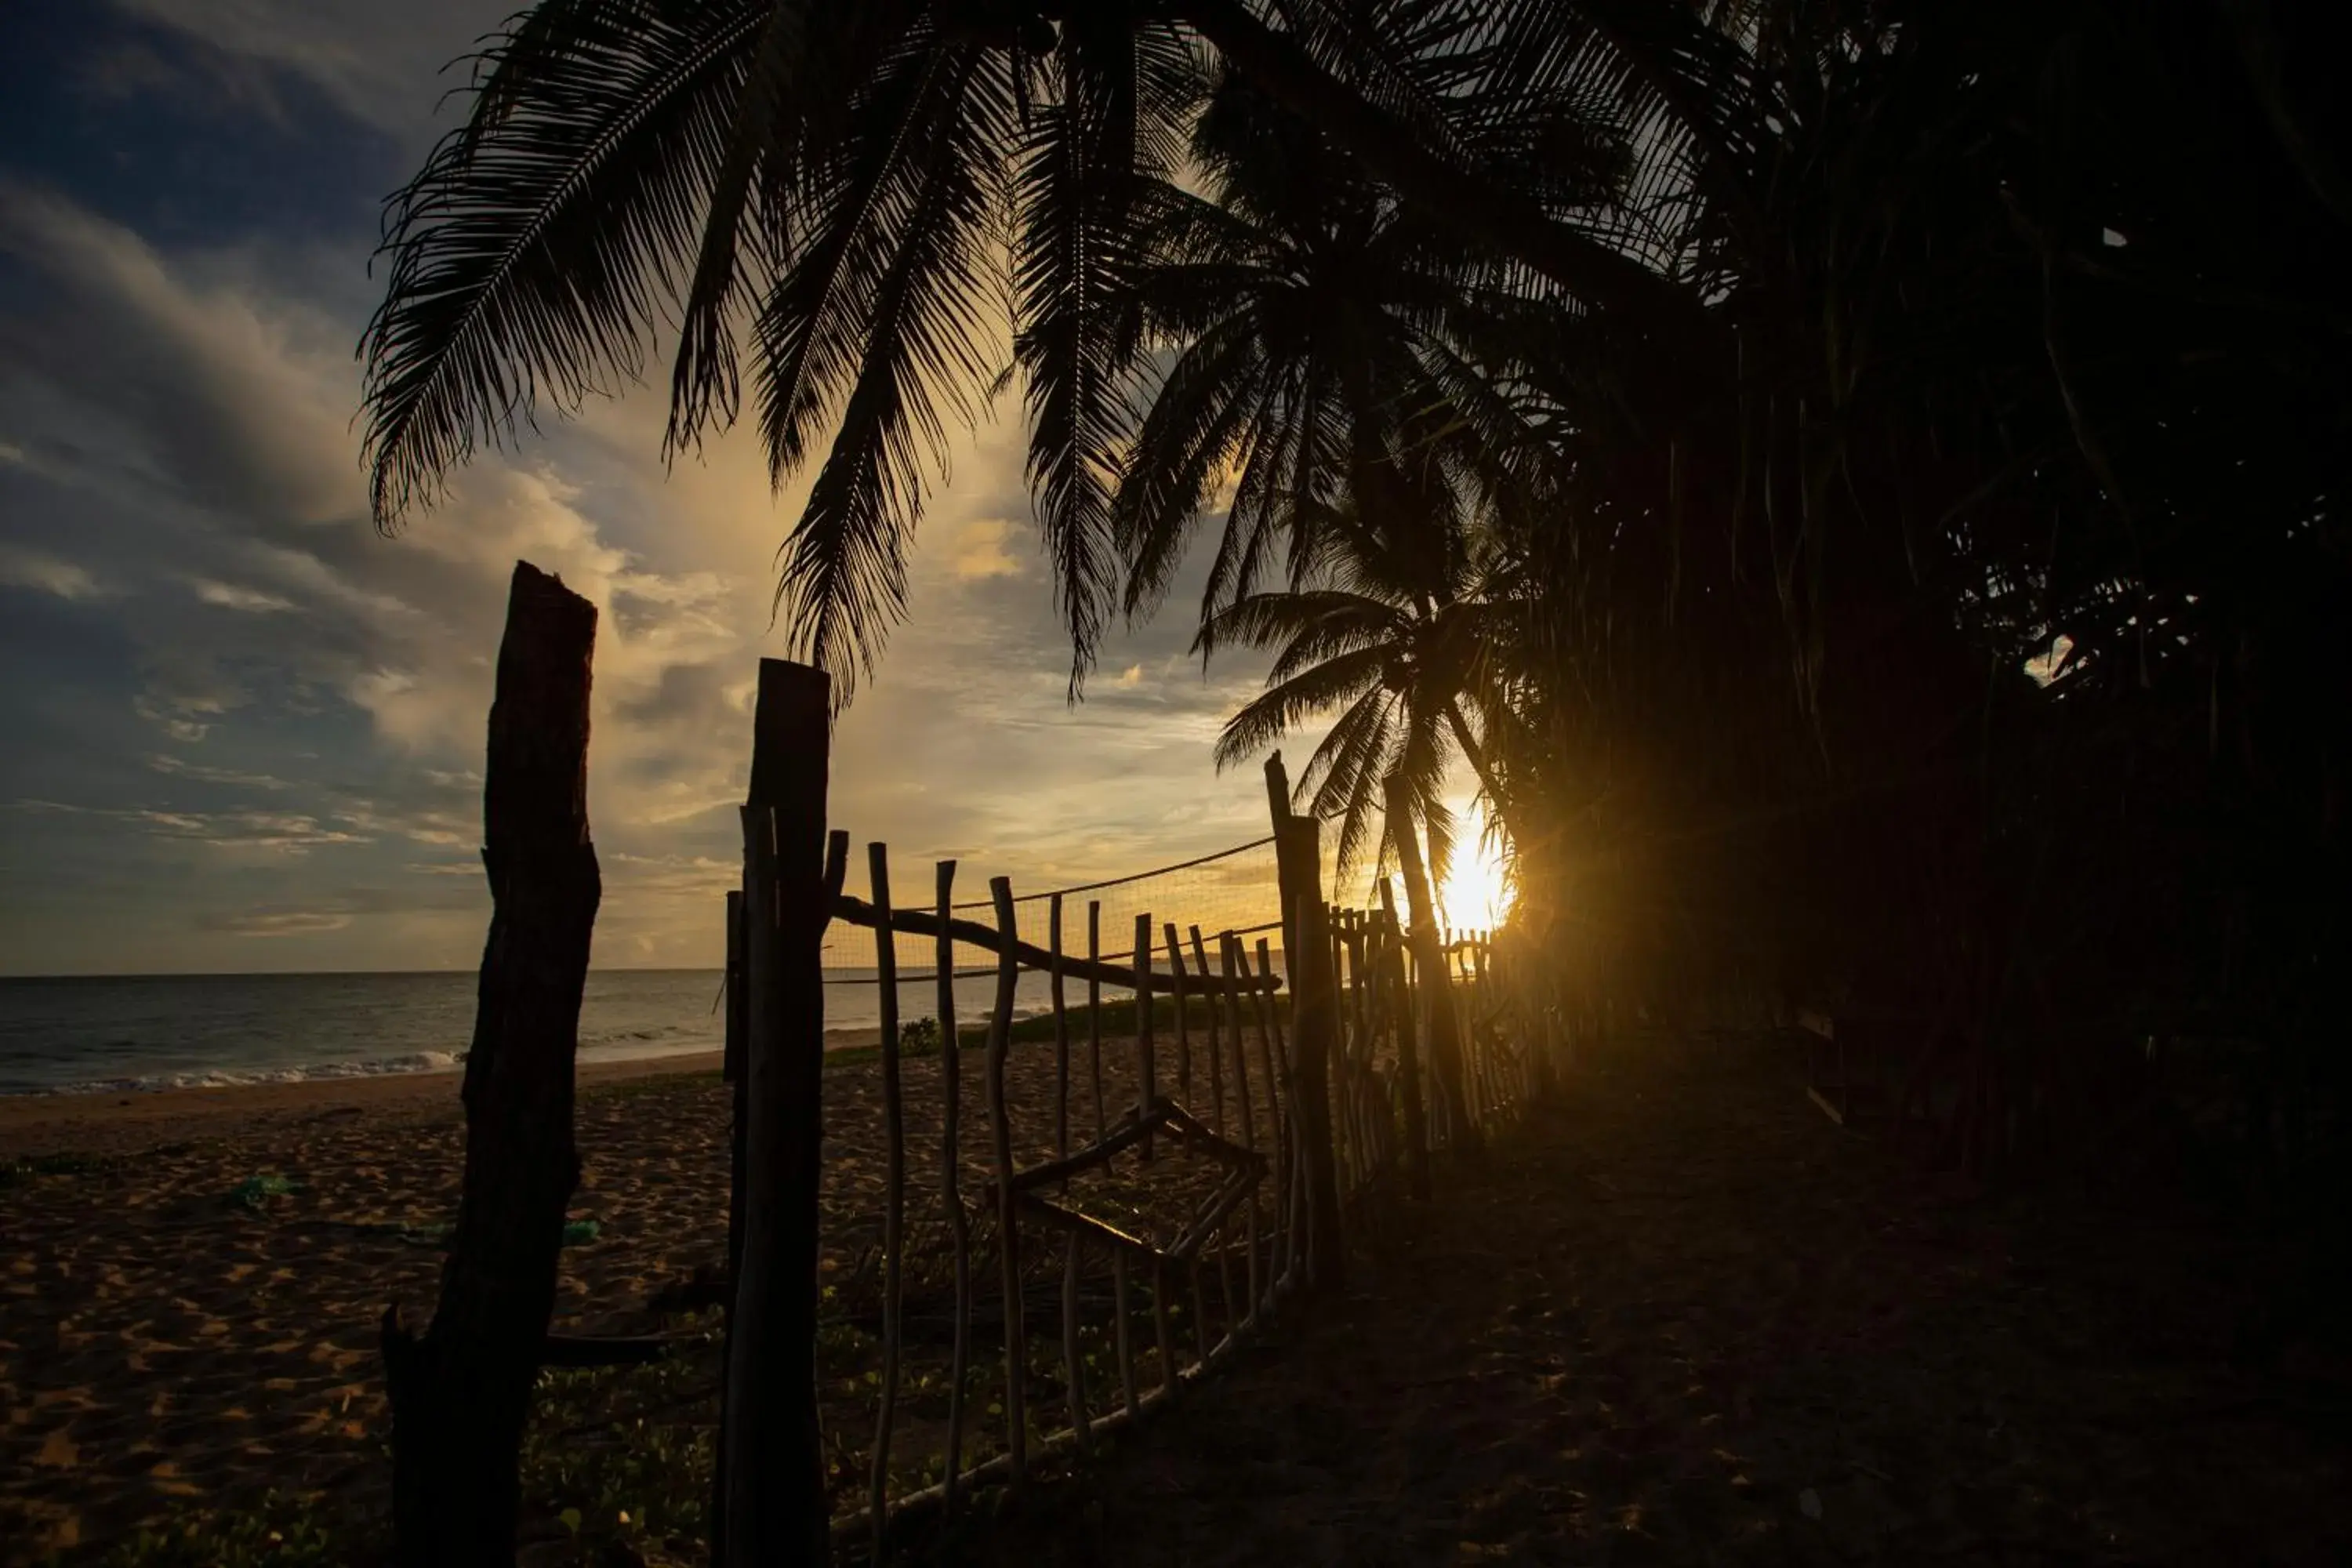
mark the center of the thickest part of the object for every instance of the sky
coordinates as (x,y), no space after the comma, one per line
(243,731)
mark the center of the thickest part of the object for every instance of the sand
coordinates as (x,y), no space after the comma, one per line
(1681,1318)
(160,1343)
(163,1345)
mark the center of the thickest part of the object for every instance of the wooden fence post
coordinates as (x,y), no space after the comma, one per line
(1314,1023)
(894,1192)
(775,1511)
(1416,1115)
(731,1072)
(950,1192)
(738,1031)
(461,1394)
(1429,958)
(1147,1070)
(1008,1227)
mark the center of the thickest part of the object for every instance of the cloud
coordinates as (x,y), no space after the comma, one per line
(286,831)
(251,601)
(187,414)
(383,65)
(279,923)
(980,551)
(180,767)
(47,573)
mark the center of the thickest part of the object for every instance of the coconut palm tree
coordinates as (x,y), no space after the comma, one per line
(839,203)
(1303,317)
(1401,626)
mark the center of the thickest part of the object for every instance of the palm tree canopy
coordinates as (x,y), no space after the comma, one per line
(847,206)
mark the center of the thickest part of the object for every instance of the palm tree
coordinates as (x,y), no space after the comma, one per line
(1303,319)
(1401,626)
(848,198)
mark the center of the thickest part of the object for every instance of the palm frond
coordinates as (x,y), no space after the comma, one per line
(1286,705)
(924,228)
(530,254)
(1088,159)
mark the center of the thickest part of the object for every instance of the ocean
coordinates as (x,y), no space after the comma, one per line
(170,1031)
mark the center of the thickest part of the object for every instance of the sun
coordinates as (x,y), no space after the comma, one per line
(1476,893)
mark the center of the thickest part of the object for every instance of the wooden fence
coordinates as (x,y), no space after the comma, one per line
(1134,1191)
(1080,1213)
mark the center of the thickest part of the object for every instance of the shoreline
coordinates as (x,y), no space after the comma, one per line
(116,1121)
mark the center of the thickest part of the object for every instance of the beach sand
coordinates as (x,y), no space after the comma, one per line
(165,1345)
(1679,1318)
(161,1343)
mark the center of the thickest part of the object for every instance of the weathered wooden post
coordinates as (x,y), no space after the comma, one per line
(950,1189)
(1313,1009)
(738,1033)
(461,1394)
(731,1073)
(1147,1070)
(773,1509)
(1008,1213)
(894,1192)
(1416,1115)
(1429,959)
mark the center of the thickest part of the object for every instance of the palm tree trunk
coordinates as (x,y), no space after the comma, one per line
(1476,754)
(1445,1031)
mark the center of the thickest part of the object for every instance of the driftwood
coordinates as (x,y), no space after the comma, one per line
(461,1393)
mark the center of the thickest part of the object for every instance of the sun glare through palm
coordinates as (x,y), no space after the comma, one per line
(1476,892)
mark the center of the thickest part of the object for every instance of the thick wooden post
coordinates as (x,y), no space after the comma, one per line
(738,1033)
(461,1394)
(1277,804)
(1314,1004)
(731,1072)
(1429,959)
(1315,1024)
(774,1509)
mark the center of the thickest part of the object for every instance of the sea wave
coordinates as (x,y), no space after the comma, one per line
(229,1077)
